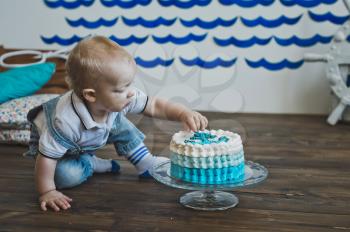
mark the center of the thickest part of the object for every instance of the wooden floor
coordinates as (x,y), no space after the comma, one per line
(308,188)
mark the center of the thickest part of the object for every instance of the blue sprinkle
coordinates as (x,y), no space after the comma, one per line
(205,138)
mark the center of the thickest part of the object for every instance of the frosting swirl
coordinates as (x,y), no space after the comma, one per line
(206,143)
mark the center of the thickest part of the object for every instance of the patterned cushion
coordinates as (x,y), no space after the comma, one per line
(13,114)
(14,136)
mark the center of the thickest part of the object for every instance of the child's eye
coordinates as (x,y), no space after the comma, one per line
(118,91)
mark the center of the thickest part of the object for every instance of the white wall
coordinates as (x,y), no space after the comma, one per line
(239,88)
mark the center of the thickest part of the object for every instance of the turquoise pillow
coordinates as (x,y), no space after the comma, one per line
(24,81)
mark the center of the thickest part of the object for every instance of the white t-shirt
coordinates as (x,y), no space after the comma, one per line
(75,121)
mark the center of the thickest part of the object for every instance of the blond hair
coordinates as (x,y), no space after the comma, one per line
(88,59)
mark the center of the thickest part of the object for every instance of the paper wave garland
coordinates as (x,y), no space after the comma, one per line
(69,41)
(274,66)
(270,23)
(339,20)
(92,24)
(208,24)
(242,43)
(126,4)
(218,62)
(179,40)
(68,4)
(246,3)
(153,63)
(307,3)
(184,4)
(148,23)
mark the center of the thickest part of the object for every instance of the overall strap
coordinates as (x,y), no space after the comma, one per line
(34,112)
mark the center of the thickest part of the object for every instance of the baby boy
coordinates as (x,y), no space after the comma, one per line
(67,130)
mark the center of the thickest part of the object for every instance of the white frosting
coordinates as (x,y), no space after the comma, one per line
(233,145)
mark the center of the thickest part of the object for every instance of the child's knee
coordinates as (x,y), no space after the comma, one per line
(72,172)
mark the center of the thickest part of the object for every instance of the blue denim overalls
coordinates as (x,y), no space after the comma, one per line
(76,165)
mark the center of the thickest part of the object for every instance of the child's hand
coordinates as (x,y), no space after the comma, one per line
(55,200)
(193,120)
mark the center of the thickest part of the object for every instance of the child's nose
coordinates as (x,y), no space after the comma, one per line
(130,94)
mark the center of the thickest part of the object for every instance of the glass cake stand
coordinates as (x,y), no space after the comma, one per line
(210,196)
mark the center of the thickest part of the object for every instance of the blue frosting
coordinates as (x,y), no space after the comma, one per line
(206,138)
(209,176)
(219,161)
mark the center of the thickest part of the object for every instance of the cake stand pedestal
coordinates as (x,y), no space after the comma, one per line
(210,197)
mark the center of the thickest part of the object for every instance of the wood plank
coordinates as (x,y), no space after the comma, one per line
(308,188)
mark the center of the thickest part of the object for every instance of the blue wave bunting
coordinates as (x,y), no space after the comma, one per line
(184,4)
(270,23)
(307,3)
(328,17)
(303,42)
(61,41)
(242,43)
(92,24)
(179,40)
(75,38)
(153,63)
(68,4)
(274,66)
(148,23)
(348,38)
(126,4)
(130,40)
(246,3)
(208,25)
(208,64)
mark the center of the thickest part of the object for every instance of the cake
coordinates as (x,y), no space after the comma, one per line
(207,157)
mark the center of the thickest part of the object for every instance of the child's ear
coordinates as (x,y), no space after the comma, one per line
(89,95)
